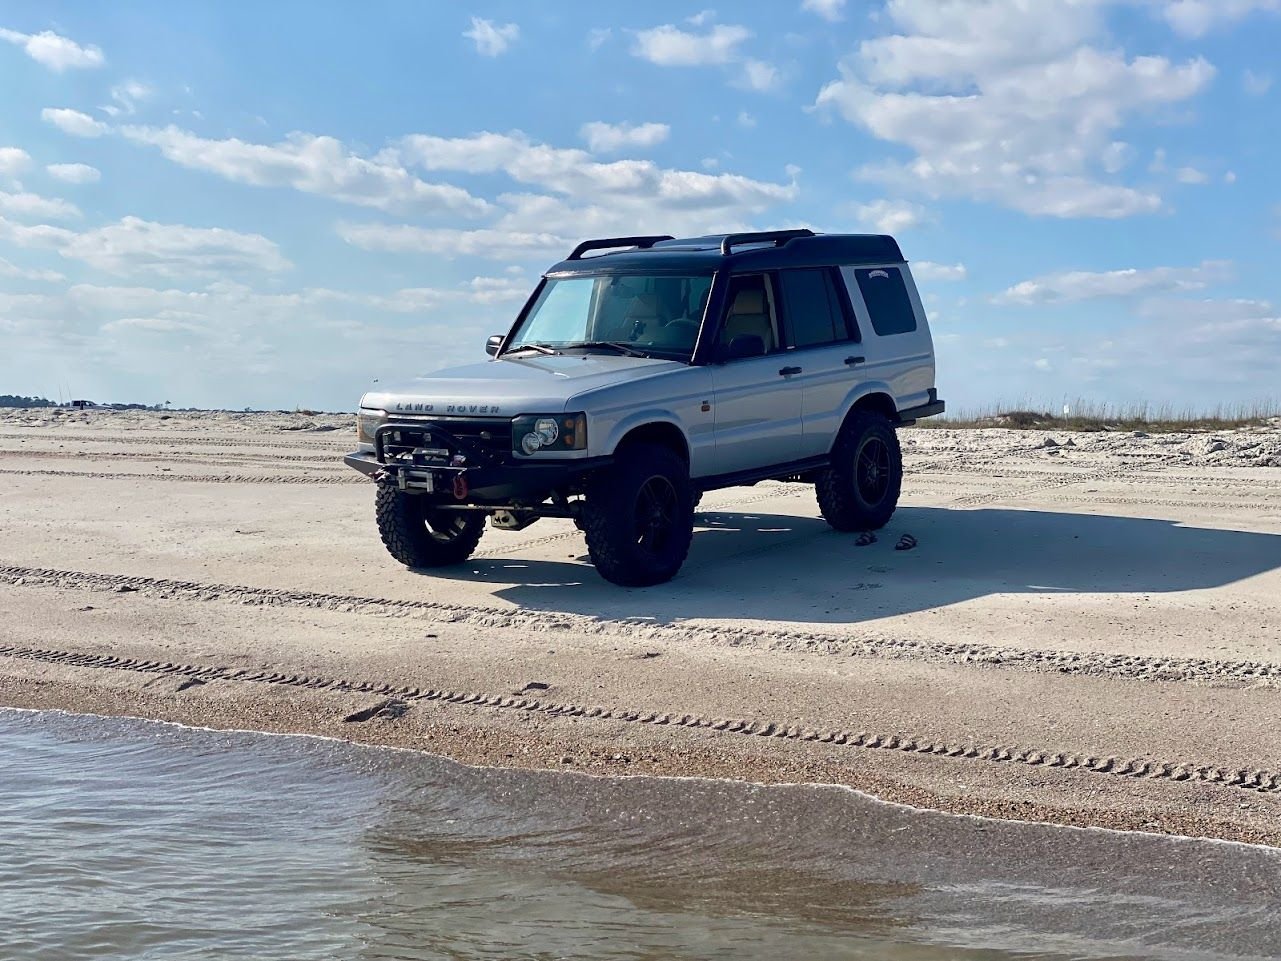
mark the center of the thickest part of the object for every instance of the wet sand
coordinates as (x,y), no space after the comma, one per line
(1088,633)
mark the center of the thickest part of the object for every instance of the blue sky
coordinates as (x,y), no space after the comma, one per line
(272,205)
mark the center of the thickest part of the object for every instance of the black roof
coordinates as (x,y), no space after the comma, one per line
(766,250)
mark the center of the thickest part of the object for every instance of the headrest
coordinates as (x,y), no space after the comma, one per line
(748,302)
(643,305)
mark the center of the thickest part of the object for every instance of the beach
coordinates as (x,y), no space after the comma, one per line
(1088,632)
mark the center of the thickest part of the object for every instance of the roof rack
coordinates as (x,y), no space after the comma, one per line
(779,237)
(644,243)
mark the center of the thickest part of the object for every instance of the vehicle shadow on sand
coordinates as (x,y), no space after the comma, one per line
(776,567)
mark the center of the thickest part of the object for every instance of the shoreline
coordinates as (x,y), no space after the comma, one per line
(572,772)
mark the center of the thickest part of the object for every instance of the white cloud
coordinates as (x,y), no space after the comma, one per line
(608,137)
(311,164)
(829,10)
(74,173)
(1007,102)
(1116,156)
(927,270)
(136,246)
(598,37)
(492,39)
(1256,84)
(127,96)
(452,242)
(1195,18)
(13,161)
(1230,177)
(891,216)
(9,269)
(746,119)
(73,122)
(670,46)
(1041,363)
(1074,286)
(702,17)
(56,52)
(1190,175)
(33,206)
(1184,311)
(759,75)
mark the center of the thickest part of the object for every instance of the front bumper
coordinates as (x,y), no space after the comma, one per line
(497,484)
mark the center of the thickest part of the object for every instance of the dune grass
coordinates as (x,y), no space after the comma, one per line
(1087,416)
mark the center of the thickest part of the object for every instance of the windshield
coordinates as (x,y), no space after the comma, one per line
(619,313)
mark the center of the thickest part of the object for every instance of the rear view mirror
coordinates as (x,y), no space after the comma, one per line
(745,345)
(493,345)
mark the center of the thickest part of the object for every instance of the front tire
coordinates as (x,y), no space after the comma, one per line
(859,491)
(418,535)
(638,516)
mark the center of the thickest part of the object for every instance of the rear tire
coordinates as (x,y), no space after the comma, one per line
(419,536)
(638,516)
(859,491)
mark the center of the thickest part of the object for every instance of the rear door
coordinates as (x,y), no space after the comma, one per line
(822,339)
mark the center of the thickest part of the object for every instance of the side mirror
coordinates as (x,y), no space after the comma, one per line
(494,344)
(745,345)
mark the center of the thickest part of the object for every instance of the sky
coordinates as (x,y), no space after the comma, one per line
(273,205)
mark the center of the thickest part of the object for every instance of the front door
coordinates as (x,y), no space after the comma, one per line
(757,403)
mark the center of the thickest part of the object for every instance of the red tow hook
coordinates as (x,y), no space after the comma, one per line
(460,486)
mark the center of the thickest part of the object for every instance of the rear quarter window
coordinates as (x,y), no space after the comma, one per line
(886,297)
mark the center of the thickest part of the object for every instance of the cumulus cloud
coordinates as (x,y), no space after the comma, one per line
(1195,18)
(610,137)
(829,10)
(12,270)
(1007,102)
(33,206)
(890,216)
(1256,84)
(54,51)
(136,246)
(453,242)
(126,97)
(311,164)
(13,161)
(492,39)
(74,173)
(73,122)
(720,45)
(927,270)
(1074,286)
(1191,175)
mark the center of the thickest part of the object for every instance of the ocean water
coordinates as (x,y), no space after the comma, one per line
(135,840)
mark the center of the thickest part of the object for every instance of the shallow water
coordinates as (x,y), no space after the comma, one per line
(129,839)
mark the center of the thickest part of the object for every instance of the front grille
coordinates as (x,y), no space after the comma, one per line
(479,439)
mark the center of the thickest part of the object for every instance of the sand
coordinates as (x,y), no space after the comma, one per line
(1088,633)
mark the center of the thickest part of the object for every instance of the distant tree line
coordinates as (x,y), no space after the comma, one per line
(14,400)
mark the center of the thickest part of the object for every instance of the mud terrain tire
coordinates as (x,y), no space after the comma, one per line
(860,490)
(638,516)
(418,536)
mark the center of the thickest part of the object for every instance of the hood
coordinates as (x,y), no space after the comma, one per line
(521,385)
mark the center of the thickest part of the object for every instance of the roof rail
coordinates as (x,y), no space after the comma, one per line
(780,238)
(644,243)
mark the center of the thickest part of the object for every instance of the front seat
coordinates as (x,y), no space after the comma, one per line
(748,315)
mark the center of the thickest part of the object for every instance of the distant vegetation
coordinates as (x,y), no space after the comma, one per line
(14,400)
(1088,416)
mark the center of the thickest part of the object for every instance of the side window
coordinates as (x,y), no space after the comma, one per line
(750,312)
(812,315)
(886,298)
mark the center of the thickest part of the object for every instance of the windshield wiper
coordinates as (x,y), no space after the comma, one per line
(619,346)
(541,348)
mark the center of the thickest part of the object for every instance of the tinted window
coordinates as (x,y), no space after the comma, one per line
(886,298)
(812,314)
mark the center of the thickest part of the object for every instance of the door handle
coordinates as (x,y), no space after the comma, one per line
(788,371)
(851,361)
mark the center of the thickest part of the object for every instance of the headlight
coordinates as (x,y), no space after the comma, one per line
(550,432)
(368,421)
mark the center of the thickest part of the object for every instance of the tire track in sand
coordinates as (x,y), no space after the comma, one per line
(1083,663)
(1258,780)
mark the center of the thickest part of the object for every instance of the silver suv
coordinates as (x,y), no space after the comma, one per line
(637,378)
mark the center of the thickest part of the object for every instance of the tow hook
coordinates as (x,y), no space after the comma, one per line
(460,486)
(379,476)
